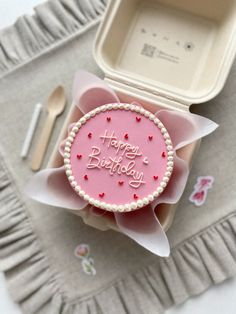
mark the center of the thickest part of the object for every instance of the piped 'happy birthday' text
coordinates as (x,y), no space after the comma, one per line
(115,164)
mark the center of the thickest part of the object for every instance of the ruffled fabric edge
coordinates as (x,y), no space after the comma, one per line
(52,23)
(205,259)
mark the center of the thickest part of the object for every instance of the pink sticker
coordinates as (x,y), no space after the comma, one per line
(199,194)
(82,252)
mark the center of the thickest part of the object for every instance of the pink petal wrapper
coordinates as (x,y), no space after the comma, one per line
(51,186)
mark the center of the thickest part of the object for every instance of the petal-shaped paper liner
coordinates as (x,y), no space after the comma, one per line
(51,186)
(140,225)
(90,92)
(185,127)
(143,227)
(95,211)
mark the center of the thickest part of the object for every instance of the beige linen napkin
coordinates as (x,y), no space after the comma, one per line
(37,242)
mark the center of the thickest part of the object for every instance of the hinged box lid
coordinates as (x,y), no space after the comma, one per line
(177,49)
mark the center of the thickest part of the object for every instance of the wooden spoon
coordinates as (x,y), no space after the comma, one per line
(55,107)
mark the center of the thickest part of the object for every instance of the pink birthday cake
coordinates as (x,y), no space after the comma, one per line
(119,157)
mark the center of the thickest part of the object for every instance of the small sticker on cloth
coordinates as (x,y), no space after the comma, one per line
(199,194)
(82,252)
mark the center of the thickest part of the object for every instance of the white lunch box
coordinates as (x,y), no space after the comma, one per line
(163,54)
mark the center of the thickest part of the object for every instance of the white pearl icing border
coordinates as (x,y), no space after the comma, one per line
(129,206)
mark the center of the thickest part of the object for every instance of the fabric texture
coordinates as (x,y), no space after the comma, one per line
(53,23)
(37,242)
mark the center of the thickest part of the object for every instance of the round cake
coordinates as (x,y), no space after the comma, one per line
(119,157)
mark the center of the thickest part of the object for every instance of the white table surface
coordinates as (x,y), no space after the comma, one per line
(217,300)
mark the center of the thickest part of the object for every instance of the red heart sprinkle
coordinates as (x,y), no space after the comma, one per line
(155,177)
(138,119)
(79,156)
(126,136)
(150,137)
(108,119)
(86,177)
(101,194)
(135,196)
(121,182)
(89,135)
(163,154)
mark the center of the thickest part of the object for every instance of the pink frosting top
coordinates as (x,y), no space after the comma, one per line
(119,157)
